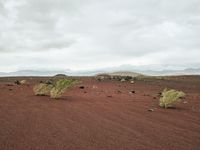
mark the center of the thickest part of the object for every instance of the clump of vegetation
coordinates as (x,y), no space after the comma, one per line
(128,78)
(170,98)
(54,89)
(60,87)
(42,89)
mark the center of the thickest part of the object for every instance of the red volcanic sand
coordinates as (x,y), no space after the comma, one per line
(102,116)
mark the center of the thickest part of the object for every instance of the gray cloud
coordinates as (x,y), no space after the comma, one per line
(1,7)
(91,33)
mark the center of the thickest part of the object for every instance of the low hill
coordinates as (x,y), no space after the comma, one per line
(124,73)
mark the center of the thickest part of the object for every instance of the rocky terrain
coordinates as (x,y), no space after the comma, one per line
(100,115)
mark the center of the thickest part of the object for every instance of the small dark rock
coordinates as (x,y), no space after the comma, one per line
(81,87)
(182,97)
(119,91)
(128,78)
(109,96)
(10,89)
(132,92)
(9,84)
(17,82)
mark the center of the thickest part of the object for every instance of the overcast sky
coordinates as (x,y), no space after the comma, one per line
(89,34)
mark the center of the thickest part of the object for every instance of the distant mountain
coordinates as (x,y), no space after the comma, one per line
(32,73)
(123,73)
(150,70)
(51,73)
(3,74)
(189,71)
(126,70)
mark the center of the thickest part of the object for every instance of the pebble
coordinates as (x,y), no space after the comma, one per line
(150,109)
(81,87)
(131,92)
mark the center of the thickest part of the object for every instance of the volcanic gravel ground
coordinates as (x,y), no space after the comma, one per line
(101,116)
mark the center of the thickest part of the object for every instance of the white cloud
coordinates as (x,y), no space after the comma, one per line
(93,34)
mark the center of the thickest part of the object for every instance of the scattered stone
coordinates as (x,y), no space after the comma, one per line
(102,77)
(81,87)
(109,96)
(119,91)
(23,82)
(132,82)
(123,80)
(10,89)
(94,87)
(185,102)
(132,92)
(41,82)
(151,110)
(154,97)
(85,92)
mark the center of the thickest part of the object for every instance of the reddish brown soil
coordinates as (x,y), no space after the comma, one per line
(103,116)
